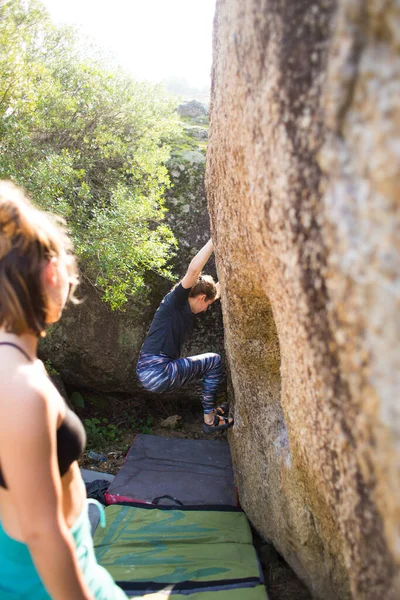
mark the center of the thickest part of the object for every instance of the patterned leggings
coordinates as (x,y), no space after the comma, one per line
(159,373)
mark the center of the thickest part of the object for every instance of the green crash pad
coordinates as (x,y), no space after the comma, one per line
(192,551)
(254,593)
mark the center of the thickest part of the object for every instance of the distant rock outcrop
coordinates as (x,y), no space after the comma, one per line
(195,111)
(303,188)
(192,109)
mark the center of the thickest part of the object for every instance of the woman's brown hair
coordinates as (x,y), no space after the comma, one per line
(28,238)
(205,284)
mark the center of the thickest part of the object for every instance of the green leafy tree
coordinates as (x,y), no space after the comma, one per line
(90,144)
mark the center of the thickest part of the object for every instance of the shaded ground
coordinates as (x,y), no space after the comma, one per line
(116,451)
(281,581)
(121,418)
(113,421)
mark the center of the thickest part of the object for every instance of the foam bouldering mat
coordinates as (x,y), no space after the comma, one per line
(251,593)
(196,472)
(89,476)
(147,549)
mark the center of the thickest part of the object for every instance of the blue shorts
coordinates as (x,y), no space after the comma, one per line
(19,579)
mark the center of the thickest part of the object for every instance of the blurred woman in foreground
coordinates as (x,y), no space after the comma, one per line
(46,549)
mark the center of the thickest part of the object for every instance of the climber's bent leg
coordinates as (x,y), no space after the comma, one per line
(152,372)
(161,374)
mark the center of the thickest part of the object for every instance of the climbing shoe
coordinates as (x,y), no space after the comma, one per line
(222,410)
(220,423)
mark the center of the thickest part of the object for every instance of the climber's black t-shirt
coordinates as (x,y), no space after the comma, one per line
(172,324)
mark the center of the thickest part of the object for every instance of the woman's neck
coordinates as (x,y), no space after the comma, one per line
(26,341)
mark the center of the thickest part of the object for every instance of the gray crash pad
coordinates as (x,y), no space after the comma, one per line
(88,475)
(196,472)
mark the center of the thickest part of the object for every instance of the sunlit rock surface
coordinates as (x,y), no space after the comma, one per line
(303,190)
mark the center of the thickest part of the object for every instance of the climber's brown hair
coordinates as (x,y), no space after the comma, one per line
(28,238)
(205,284)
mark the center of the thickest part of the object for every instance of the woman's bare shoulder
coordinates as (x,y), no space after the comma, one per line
(25,390)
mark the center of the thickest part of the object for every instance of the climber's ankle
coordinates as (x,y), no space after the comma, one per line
(209,417)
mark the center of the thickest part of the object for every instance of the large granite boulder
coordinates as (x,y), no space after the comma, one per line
(302,182)
(96,347)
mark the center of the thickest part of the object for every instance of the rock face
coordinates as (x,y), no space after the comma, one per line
(97,348)
(193,109)
(302,183)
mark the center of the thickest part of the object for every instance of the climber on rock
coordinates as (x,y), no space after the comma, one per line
(160,368)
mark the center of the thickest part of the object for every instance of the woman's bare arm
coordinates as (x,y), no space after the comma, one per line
(28,452)
(196,265)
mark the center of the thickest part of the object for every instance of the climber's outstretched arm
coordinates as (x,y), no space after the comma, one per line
(196,265)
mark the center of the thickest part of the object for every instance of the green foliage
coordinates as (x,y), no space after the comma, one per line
(142,425)
(77,400)
(99,432)
(90,144)
(50,369)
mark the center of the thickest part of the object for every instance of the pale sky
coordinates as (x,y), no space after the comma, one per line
(152,39)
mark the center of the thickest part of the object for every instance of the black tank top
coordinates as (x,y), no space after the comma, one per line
(71,436)
(172,324)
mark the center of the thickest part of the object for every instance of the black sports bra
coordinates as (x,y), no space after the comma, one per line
(71,436)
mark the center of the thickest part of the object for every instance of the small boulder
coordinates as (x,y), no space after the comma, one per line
(198,133)
(173,422)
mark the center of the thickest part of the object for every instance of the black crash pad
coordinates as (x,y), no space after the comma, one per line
(195,472)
